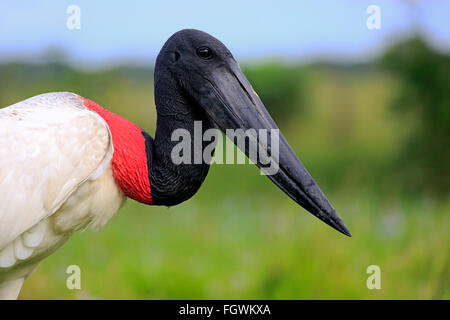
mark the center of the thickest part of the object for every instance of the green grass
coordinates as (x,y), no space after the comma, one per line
(253,242)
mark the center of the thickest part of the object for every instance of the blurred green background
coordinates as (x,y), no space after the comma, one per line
(374,135)
(366,110)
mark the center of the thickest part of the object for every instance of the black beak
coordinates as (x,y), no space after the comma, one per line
(233,104)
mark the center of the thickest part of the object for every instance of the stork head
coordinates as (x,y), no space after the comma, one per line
(203,69)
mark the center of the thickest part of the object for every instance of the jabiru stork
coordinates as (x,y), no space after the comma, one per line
(68,164)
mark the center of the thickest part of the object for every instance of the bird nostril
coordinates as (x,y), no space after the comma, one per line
(175,56)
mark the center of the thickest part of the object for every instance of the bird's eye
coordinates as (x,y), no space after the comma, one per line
(205,53)
(175,56)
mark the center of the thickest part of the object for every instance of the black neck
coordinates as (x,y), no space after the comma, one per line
(172,183)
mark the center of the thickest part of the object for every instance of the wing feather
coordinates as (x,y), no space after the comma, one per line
(49,145)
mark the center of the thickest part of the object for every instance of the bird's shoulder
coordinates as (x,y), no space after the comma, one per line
(44,109)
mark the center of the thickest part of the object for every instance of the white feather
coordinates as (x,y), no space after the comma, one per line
(55,178)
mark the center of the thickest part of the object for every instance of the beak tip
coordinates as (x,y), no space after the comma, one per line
(341,227)
(346,232)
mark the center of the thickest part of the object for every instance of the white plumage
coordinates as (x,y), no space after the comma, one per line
(55,178)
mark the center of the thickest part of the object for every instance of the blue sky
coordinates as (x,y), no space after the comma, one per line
(134,31)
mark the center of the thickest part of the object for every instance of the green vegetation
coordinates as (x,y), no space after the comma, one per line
(424,95)
(241,237)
